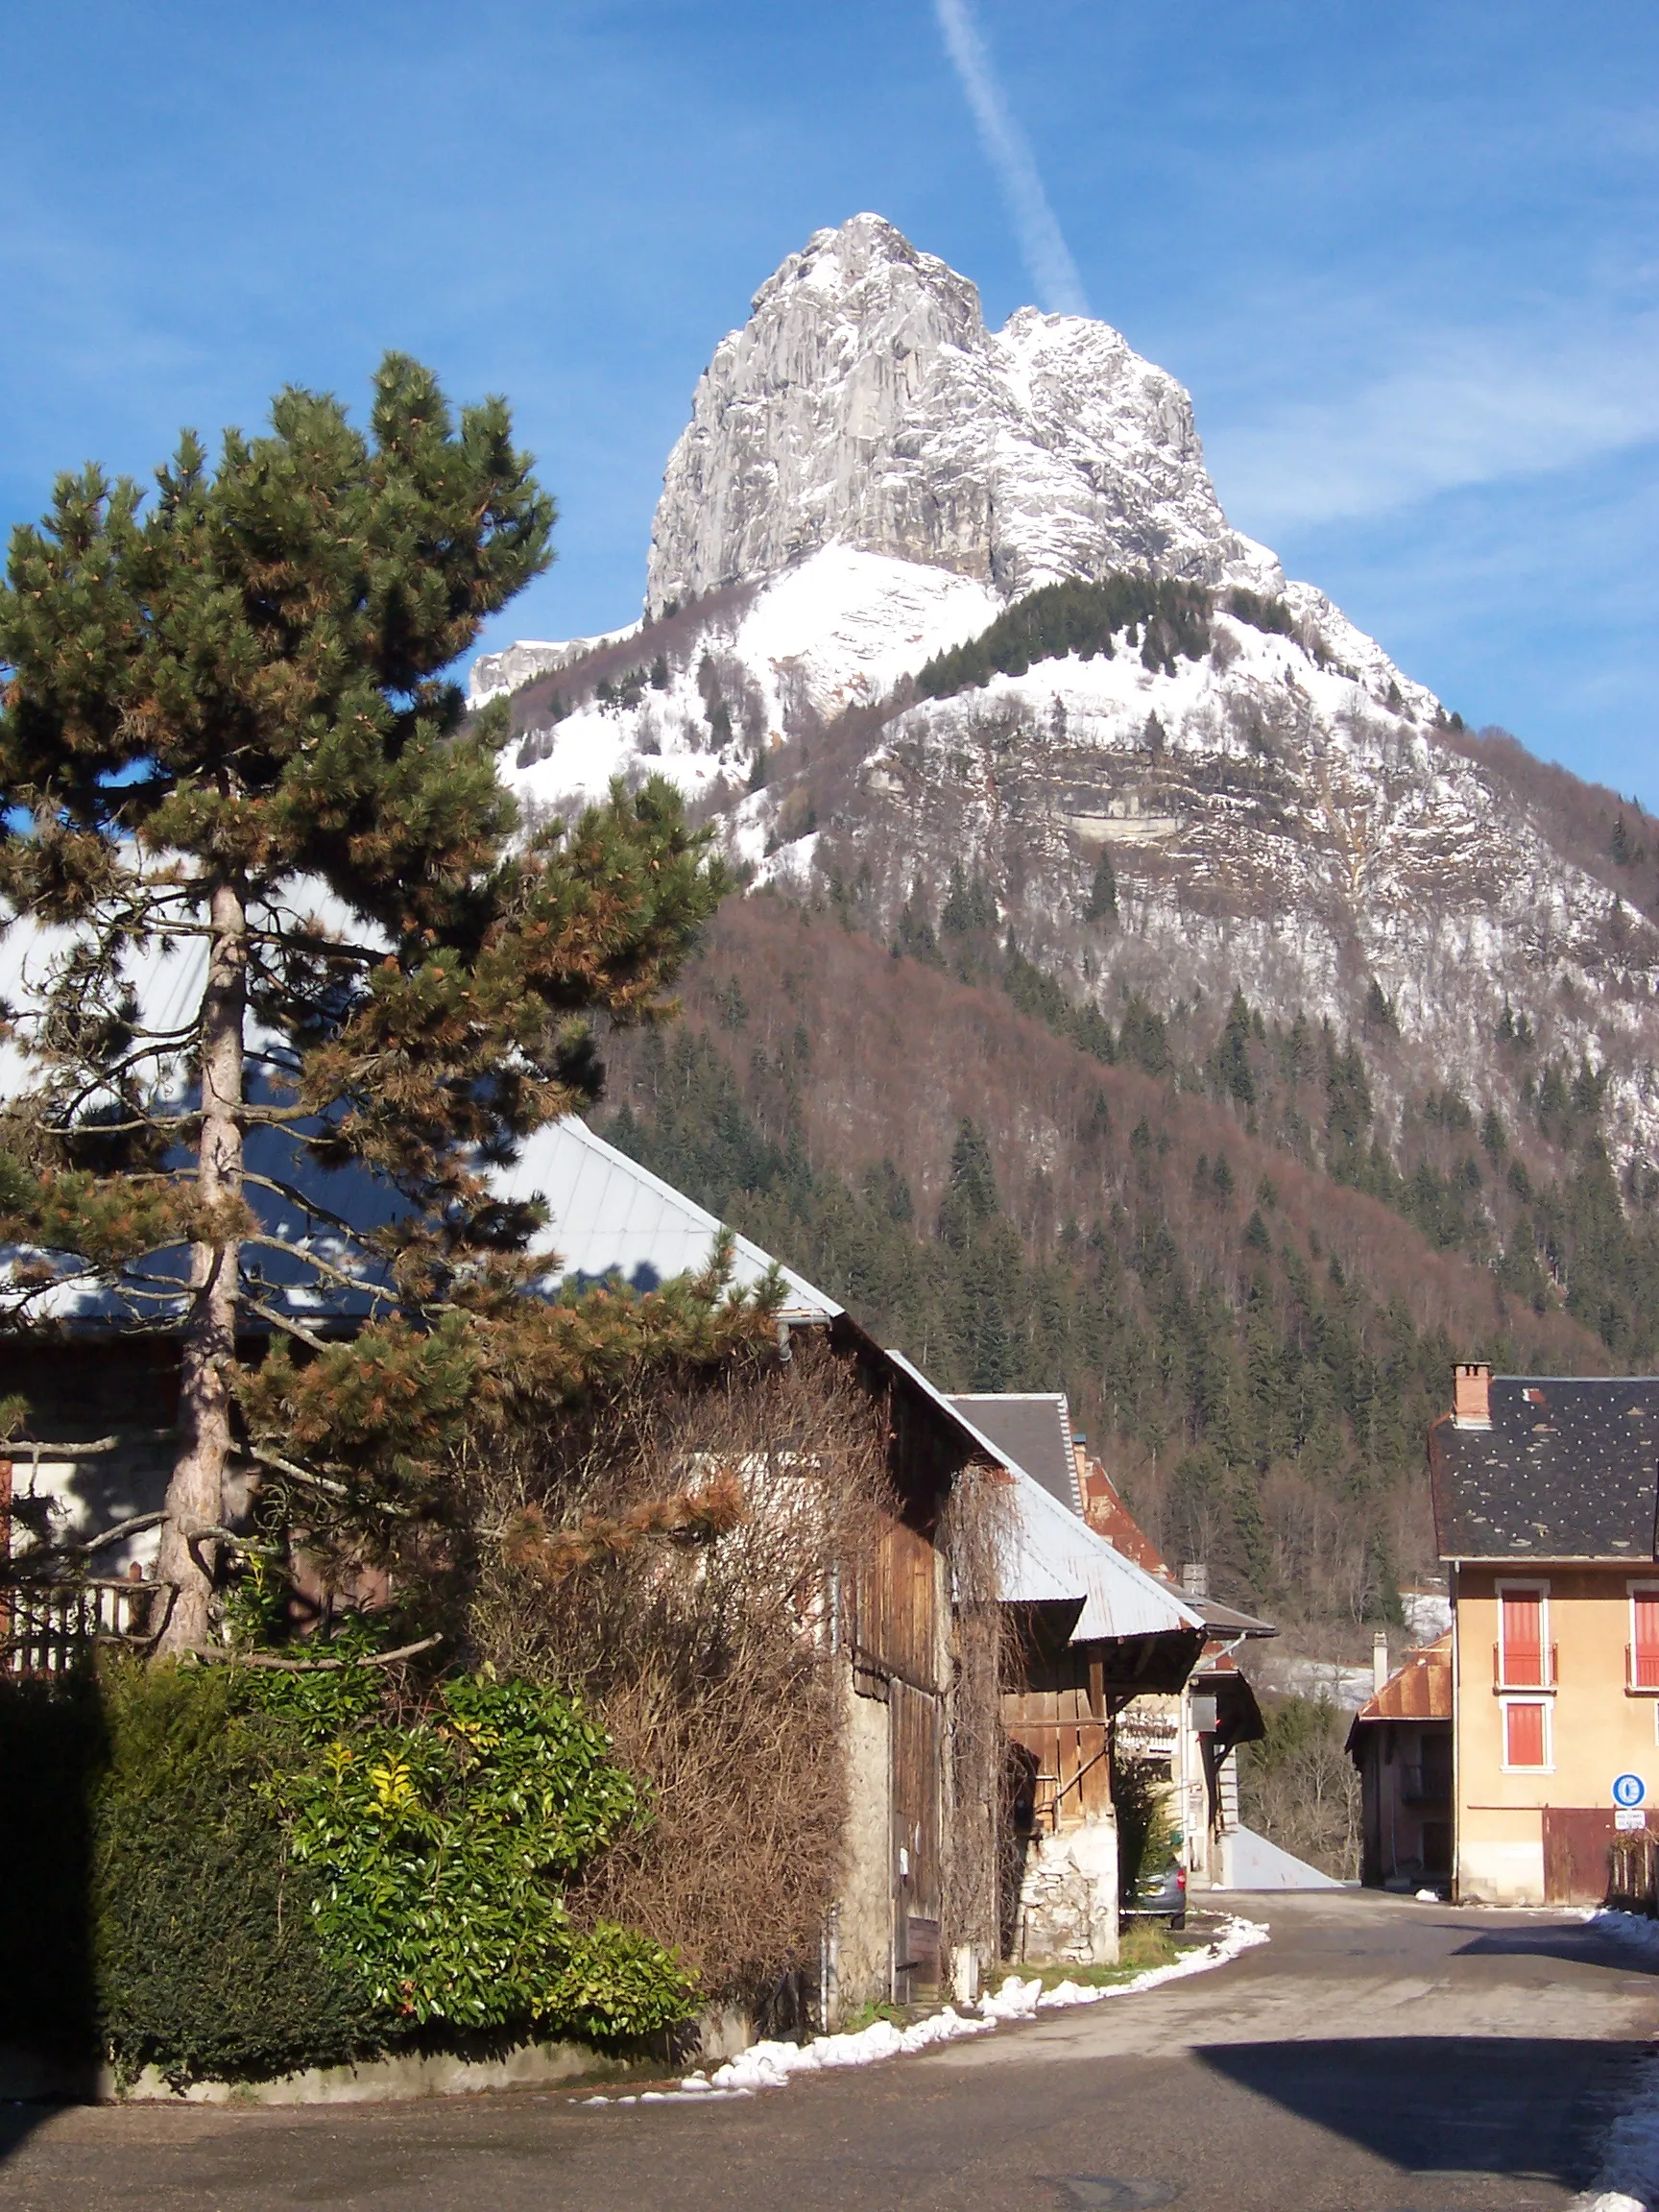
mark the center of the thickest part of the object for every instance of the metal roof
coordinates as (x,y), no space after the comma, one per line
(608,1214)
(1420,1688)
(1051,1556)
(1226,1620)
(612,1216)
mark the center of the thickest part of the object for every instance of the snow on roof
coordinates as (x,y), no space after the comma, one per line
(1054,1557)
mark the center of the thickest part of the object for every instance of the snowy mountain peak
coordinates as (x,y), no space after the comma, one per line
(868,480)
(864,404)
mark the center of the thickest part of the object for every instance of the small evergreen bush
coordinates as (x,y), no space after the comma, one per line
(437,1850)
(208,1960)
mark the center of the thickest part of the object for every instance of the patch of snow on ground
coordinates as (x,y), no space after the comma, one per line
(770,2065)
(1630,2177)
(1019,1999)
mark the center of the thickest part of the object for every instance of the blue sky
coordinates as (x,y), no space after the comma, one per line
(1406,257)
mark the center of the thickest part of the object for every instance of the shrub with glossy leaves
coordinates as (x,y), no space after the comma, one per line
(437,1851)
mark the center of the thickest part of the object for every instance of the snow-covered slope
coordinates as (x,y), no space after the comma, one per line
(497,674)
(869,476)
(839,629)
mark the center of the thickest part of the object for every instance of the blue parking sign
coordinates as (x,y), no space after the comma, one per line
(1628,1791)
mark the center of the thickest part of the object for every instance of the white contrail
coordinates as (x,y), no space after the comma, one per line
(1048,256)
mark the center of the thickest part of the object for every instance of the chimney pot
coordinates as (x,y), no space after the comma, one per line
(1472,1394)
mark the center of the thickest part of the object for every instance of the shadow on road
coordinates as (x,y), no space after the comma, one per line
(1449,2103)
(1582,1946)
(18,2122)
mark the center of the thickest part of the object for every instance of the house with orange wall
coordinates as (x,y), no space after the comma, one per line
(1546,1495)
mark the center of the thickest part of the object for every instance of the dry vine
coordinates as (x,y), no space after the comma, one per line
(675,1558)
(972,1535)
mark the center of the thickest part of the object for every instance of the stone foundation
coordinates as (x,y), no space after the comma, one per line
(1069,1897)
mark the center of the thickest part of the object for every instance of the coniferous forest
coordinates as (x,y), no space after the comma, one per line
(1191,1221)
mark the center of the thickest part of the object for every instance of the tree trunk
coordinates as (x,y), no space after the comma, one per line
(195,1493)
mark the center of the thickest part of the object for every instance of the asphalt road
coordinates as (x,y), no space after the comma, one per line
(1378,2055)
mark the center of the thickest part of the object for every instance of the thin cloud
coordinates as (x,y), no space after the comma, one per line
(1043,244)
(1474,408)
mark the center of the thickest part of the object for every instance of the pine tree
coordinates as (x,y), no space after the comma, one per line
(970,903)
(971,1197)
(229,754)
(1102,906)
(1380,1018)
(915,933)
(1231,1063)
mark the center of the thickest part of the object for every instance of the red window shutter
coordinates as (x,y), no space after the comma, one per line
(1645,1608)
(1524,1639)
(1523,1735)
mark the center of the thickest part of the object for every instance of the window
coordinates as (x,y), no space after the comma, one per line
(1525,1734)
(1521,1649)
(1644,1639)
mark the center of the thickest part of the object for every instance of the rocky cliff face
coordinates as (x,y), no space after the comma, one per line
(868,477)
(865,403)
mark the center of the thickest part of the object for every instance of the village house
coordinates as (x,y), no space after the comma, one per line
(1073,1669)
(1546,1491)
(1094,1626)
(1400,1742)
(1185,1725)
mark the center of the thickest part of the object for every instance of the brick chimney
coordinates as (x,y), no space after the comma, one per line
(1378,1660)
(1472,1394)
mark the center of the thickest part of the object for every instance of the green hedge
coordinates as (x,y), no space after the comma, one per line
(230,1872)
(208,1962)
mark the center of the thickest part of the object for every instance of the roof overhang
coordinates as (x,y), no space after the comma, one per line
(1049,1555)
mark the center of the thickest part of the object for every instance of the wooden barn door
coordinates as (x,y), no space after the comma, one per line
(898,1631)
(916,1874)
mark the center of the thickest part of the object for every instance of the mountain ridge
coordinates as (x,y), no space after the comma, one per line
(1278,807)
(1145,987)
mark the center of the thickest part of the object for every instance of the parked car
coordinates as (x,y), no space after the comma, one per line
(1161,1896)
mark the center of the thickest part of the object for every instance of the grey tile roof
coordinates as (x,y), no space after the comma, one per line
(1033,1428)
(1568,1469)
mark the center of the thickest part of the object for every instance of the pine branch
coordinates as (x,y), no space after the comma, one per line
(355,1284)
(14,1447)
(134,1527)
(326,1484)
(306,1205)
(320,949)
(288,1327)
